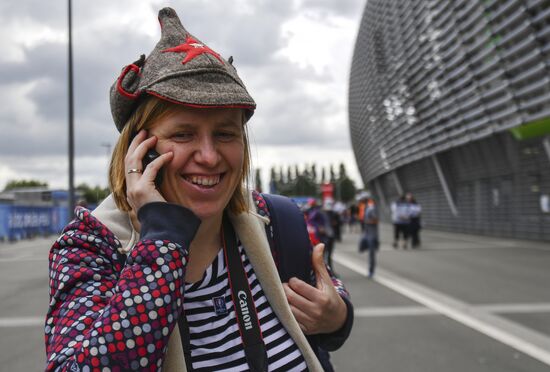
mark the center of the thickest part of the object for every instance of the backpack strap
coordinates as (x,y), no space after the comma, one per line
(288,236)
(291,248)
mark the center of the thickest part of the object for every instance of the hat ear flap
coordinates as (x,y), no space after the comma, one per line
(124,92)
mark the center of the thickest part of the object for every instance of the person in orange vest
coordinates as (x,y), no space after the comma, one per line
(361,213)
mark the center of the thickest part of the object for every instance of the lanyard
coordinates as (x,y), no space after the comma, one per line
(243,302)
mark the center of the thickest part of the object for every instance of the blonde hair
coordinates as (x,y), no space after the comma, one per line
(146,114)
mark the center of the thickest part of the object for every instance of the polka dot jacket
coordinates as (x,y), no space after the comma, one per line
(112,312)
(113,315)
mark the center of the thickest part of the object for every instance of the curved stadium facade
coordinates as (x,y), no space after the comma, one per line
(450,100)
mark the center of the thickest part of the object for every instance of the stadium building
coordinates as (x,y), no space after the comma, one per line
(450,100)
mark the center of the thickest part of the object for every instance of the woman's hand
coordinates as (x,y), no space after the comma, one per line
(317,309)
(140,183)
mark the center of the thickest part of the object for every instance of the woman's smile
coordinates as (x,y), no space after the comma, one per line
(204,182)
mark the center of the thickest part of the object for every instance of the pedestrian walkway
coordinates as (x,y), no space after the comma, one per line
(497,287)
(435,239)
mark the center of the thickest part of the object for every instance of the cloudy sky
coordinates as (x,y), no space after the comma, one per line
(293,55)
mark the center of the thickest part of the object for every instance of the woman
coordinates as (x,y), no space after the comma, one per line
(173,270)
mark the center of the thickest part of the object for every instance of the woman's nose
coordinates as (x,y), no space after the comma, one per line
(207,153)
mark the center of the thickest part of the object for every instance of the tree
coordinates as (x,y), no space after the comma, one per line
(273,181)
(21,184)
(93,195)
(304,186)
(306,173)
(258,180)
(347,189)
(342,174)
(306,182)
(314,172)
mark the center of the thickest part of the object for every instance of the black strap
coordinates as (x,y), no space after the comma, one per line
(185,340)
(249,324)
(243,302)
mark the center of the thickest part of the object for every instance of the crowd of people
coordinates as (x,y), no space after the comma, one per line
(326,224)
(405,215)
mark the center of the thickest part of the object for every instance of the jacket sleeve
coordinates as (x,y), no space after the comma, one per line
(334,341)
(104,312)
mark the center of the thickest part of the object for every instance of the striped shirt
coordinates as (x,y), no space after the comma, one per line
(215,340)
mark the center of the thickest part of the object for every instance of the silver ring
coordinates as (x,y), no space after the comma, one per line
(134,170)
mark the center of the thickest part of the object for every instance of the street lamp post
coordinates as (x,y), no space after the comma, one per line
(71,201)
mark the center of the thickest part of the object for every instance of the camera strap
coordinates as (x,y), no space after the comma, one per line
(243,302)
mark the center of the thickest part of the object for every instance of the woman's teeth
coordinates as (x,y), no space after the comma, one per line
(203,180)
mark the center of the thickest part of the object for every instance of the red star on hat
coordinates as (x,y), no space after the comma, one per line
(193,48)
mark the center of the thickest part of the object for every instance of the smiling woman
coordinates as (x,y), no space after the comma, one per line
(176,269)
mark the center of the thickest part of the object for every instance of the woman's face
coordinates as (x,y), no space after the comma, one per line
(208,149)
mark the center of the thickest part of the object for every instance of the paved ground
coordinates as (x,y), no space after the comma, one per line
(460,303)
(23,305)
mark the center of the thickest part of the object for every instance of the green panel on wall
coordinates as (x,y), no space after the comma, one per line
(534,129)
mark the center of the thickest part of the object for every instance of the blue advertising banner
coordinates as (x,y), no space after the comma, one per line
(19,222)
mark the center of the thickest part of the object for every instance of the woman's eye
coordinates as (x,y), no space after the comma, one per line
(225,136)
(183,136)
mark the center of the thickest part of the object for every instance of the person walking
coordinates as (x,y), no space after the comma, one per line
(414,220)
(319,219)
(165,267)
(370,235)
(353,212)
(334,211)
(361,206)
(400,219)
(333,230)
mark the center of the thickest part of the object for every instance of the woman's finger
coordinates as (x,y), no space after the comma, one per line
(140,182)
(150,172)
(138,138)
(302,318)
(297,299)
(304,289)
(134,159)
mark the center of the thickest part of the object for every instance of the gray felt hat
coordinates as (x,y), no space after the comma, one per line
(181,69)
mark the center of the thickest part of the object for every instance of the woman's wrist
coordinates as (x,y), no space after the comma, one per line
(167,221)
